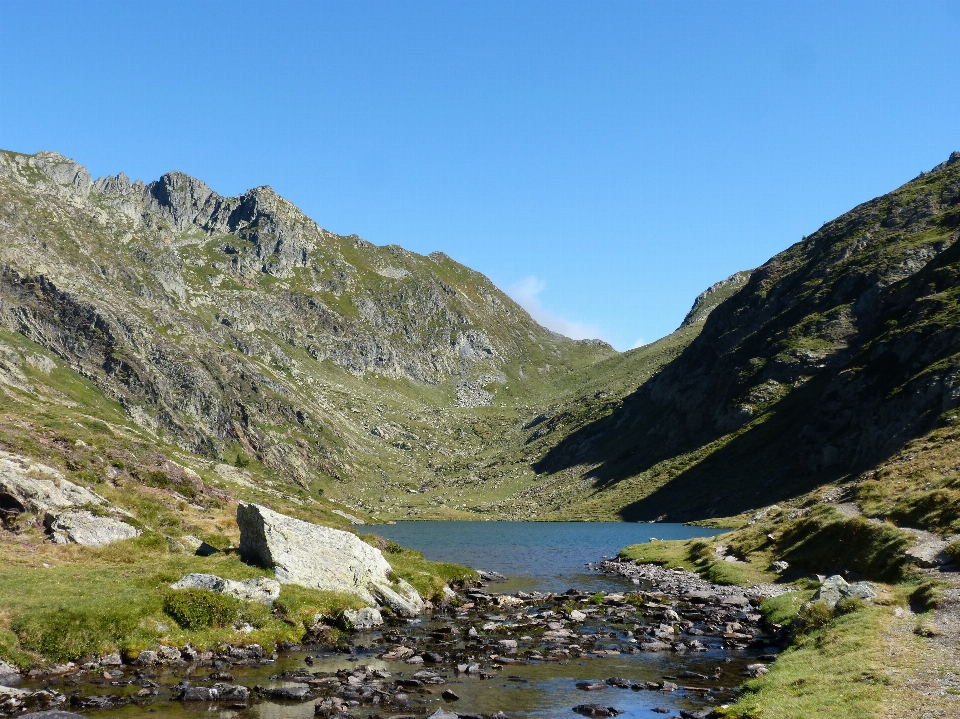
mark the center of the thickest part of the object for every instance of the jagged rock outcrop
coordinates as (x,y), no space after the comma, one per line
(829,358)
(216,320)
(70,513)
(322,558)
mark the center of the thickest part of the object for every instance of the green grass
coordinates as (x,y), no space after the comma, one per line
(838,666)
(696,555)
(428,578)
(117,598)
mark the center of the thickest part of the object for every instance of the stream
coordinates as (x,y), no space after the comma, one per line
(520,646)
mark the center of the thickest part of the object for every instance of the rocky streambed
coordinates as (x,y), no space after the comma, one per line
(677,646)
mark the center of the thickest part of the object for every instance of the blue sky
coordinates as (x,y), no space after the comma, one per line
(602,161)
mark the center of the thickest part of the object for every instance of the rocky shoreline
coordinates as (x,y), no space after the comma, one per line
(477,634)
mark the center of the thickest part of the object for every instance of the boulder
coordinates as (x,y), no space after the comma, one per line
(322,558)
(83,527)
(259,589)
(365,618)
(829,590)
(835,588)
(9,675)
(148,658)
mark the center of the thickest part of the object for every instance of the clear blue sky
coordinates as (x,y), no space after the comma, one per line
(603,161)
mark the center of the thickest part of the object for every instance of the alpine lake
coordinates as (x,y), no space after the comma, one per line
(524,656)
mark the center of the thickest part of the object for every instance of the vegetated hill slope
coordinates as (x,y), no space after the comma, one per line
(835,354)
(239,330)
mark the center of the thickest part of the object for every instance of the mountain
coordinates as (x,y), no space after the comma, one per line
(236,332)
(234,326)
(833,356)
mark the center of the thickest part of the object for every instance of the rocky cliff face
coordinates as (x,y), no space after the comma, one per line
(238,321)
(832,355)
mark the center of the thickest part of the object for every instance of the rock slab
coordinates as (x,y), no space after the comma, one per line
(259,589)
(322,558)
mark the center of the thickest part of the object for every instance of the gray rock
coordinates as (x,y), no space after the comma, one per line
(9,675)
(259,589)
(72,514)
(780,566)
(365,618)
(51,714)
(111,660)
(835,588)
(443,714)
(148,658)
(595,710)
(830,590)
(929,552)
(322,558)
(40,488)
(287,693)
(861,590)
(82,527)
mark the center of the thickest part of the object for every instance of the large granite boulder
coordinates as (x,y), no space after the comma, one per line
(259,589)
(71,513)
(322,558)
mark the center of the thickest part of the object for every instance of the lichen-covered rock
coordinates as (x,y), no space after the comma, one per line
(83,527)
(322,558)
(835,588)
(365,618)
(259,589)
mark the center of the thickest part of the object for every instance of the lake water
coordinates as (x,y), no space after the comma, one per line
(547,556)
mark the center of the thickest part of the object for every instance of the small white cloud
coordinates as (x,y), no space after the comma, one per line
(639,343)
(526,294)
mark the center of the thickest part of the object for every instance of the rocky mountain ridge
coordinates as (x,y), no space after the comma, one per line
(833,355)
(238,324)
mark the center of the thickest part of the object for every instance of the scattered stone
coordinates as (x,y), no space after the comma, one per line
(780,566)
(590,686)
(835,588)
(285,693)
(595,710)
(361,619)
(450,695)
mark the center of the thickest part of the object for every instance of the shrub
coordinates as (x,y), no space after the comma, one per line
(953,551)
(66,634)
(813,616)
(197,608)
(849,605)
